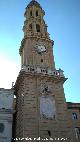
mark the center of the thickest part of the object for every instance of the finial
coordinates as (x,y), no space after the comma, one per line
(12,84)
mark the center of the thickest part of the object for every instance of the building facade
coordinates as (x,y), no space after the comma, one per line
(6,114)
(41,109)
(74,113)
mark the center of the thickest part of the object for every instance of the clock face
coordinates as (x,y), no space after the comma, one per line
(41,48)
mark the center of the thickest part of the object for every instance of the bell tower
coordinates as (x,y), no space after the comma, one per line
(41,110)
(36,47)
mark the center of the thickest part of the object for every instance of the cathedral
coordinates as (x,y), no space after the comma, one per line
(41,111)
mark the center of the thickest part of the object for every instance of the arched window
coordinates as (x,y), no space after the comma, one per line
(31,13)
(37,28)
(30,27)
(36,13)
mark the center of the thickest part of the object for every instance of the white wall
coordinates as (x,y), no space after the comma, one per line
(7,133)
(6,115)
(6,99)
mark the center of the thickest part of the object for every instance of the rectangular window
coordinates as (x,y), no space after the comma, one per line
(30,13)
(74,115)
(77,132)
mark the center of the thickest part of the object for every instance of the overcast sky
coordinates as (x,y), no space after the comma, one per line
(63,20)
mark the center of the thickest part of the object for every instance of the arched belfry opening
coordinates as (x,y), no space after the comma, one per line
(30,27)
(37,27)
(37,13)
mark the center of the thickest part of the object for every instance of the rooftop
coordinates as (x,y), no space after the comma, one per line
(33,2)
(71,105)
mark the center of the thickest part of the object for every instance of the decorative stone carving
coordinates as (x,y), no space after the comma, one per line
(47,107)
(45,89)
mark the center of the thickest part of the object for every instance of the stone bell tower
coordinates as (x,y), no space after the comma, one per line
(41,107)
(36,48)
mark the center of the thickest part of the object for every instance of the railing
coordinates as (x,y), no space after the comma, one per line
(39,70)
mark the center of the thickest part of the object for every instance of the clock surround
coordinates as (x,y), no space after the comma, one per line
(40,48)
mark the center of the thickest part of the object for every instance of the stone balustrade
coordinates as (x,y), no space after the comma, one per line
(44,71)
